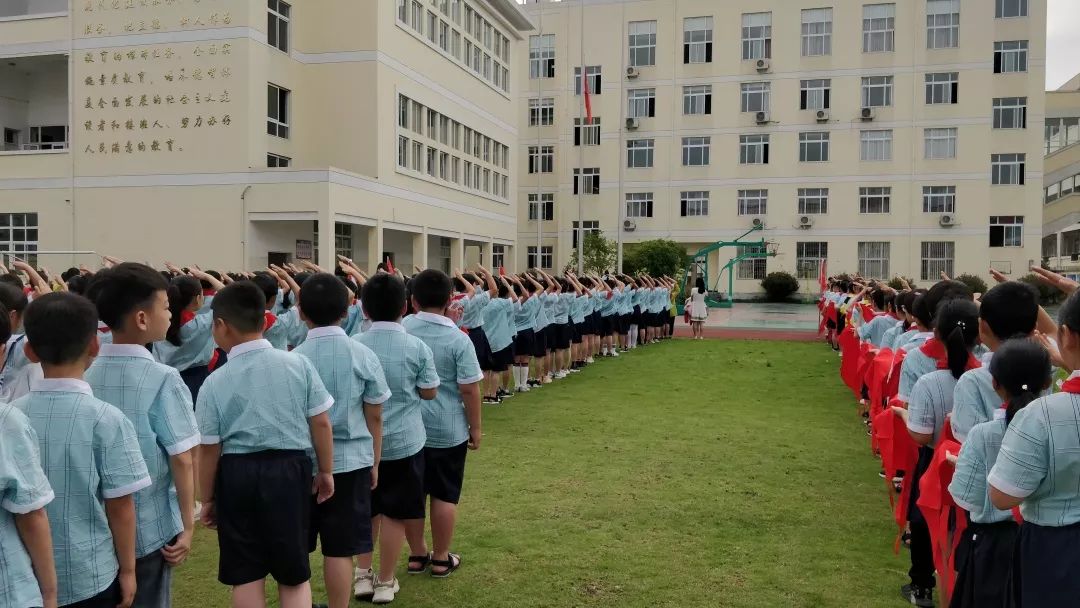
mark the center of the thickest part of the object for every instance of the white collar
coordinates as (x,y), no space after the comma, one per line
(251,346)
(102,325)
(386,326)
(62,385)
(999,414)
(125,350)
(1075,374)
(325,332)
(986,358)
(431,317)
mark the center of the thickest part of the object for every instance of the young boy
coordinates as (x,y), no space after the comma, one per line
(451,420)
(92,457)
(132,300)
(259,415)
(279,328)
(354,377)
(410,373)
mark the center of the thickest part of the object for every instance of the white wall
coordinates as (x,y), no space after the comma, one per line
(14,102)
(275,236)
(47,91)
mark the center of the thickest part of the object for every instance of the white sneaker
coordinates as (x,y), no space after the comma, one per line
(560,375)
(363,583)
(614,353)
(590,360)
(385,592)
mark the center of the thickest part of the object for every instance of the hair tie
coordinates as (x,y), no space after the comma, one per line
(1024,387)
(961,325)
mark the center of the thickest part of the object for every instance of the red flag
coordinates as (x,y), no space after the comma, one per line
(502,271)
(389,266)
(588,97)
(822,277)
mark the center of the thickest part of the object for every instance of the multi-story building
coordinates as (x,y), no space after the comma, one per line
(230,133)
(1061,215)
(884,137)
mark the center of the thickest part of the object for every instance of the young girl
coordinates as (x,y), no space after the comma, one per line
(1020,370)
(1038,469)
(525,314)
(699,311)
(189,344)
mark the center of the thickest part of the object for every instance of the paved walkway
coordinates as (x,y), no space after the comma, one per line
(759,321)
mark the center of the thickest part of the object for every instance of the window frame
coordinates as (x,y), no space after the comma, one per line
(931,265)
(939,199)
(541,159)
(541,111)
(870,95)
(752,202)
(639,205)
(590,180)
(1013,107)
(875,200)
(587,134)
(812,201)
(542,203)
(751,92)
(873,258)
(1006,231)
(814,89)
(1011,165)
(810,35)
(641,102)
(694,203)
(275,125)
(695,96)
(942,26)
(809,140)
(875,143)
(942,88)
(276,21)
(541,55)
(698,41)
(879,26)
(932,138)
(1000,7)
(808,258)
(696,148)
(756,36)
(636,46)
(1009,60)
(754,149)
(640,149)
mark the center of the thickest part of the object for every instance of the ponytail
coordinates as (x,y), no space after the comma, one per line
(182,292)
(1021,368)
(958,327)
(1019,402)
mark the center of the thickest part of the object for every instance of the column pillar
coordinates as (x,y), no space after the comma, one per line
(375,247)
(1058,253)
(457,253)
(487,251)
(420,250)
(327,246)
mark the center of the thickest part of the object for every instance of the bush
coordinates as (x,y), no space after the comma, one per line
(1047,294)
(974,283)
(657,257)
(898,286)
(779,286)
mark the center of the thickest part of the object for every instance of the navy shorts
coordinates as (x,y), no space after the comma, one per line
(343,523)
(444,472)
(563,336)
(400,493)
(482,348)
(502,360)
(579,332)
(540,343)
(525,343)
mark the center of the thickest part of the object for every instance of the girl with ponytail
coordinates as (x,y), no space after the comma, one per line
(189,344)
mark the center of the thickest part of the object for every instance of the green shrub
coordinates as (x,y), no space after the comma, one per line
(779,286)
(975,283)
(1047,294)
(897,285)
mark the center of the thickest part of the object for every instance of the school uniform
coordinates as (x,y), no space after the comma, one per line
(577,317)
(608,310)
(525,314)
(23,489)
(196,349)
(353,375)
(561,319)
(104,333)
(409,366)
(353,320)
(16,359)
(157,402)
(445,424)
(499,332)
(541,343)
(257,408)
(873,331)
(549,300)
(916,365)
(281,330)
(73,427)
(472,320)
(888,339)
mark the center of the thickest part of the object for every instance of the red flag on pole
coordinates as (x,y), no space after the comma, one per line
(502,271)
(389,265)
(823,270)
(588,97)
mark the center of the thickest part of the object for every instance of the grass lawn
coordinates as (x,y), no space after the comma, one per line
(685,474)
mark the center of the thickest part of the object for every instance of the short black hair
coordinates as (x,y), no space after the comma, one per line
(122,289)
(944,291)
(12,279)
(12,297)
(878,297)
(268,283)
(5,325)
(324,299)
(1010,309)
(241,305)
(383,297)
(59,326)
(431,288)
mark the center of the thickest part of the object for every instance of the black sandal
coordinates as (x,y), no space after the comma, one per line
(451,565)
(423,560)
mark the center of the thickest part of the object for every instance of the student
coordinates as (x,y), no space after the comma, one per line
(451,420)
(188,345)
(255,472)
(282,326)
(14,301)
(412,378)
(563,299)
(93,516)
(472,315)
(542,335)
(353,375)
(499,330)
(131,299)
(920,362)
(699,311)
(874,330)
(525,337)
(901,306)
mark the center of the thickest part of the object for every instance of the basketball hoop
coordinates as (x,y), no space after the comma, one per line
(772,247)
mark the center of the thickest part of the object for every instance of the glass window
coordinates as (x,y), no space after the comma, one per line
(937,257)
(874,259)
(589,134)
(642,43)
(942,24)
(639,204)
(277,23)
(1061,132)
(879,28)
(1007,169)
(278,161)
(939,143)
(814,147)
(697,39)
(813,201)
(695,151)
(542,205)
(542,112)
(639,153)
(641,103)
(751,269)
(942,87)
(1010,56)
(1004,9)
(592,72)
(541,55)
(814,94)
(1010,113)
(697,99)
(808,258)
(876,145)
(939,199)
(756,35)
(277,111)
(541,159)
(877,91)
(591,180)
(753,202)
(754,149)
(816,32)
(547,257)
(755,96)
(1006,231)
(694,203)
(875,200)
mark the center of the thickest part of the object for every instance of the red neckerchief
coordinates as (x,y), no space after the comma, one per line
(104,330)
(1071,386)
(270,320)
(935,349)
(186,316)
(208,292)
(940,511)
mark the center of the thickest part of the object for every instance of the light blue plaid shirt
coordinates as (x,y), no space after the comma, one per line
(196,343)
(455,361)
(282,334)
(577,309)
(353,375)
(563,302)
(158,403)
(916,365)
(23,488)
(978,454)
(90,454)
(876,328)
(974,399)
(913,339)
(497,325)
(888,340)
(543,316)
(525,314)
(409,366)
(931,400)
(473,314)
(261,400)
(16,359)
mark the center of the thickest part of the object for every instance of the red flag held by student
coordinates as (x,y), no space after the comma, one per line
(389,266)
(940,511)
(821,277)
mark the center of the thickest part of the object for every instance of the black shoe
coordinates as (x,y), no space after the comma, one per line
(918,596)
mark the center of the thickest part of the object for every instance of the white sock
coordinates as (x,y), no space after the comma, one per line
(523,375)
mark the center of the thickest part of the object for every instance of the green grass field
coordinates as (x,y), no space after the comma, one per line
(685,474)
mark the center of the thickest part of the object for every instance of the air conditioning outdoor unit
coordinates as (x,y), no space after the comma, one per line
(947,219)
(762,65)
(759,222)
(632,123)
(629,225)
(822,116)
(632,72)
(867,114)
(806,221)
(762,118)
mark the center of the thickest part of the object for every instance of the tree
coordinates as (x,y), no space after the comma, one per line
(600,253)
(779,286)
(975,283)
(658,257)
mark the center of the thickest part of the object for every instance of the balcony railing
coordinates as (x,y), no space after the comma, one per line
(17,9)
(35,147)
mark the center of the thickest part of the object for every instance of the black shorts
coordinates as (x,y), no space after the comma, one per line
(525,343)
(109,598)
(638,317)
(627,321)
(503,359)
(482,348)
(540,343)
(579,332)
(563,336)
(263,503)
(400,493)
(444,472)
(193,378)
(343,523)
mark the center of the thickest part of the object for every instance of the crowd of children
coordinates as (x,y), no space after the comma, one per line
(957,392)
(303,409)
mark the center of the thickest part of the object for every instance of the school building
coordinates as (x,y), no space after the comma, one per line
(1061,213)
(230,133)
(884,137)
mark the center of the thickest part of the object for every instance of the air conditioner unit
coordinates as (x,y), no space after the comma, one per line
(867,114)
(629,225)
(632,123)
(806,221)
(762,118)
(822,116)
(947,219)
(759,222)
(632,72)
(762,65)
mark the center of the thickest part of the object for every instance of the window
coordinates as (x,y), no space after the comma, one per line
(1060,133)
(755,96)
(586,227)
(1010,56)
(277,24)
(444,36)
(1006,231)
(542,112)
(403,11)
(541,159)
(642,43)
(589,135)
(432,26)
(877,91)
(19,235)
(639,153)
(879,28)
(417,22)
(695,151)
(639,204)
(1011,113)
(277,111)
(813,201)
(542,205)
(756,35)
(808,258)
(876,145)
(418,157)
(753,202)
(641,103)
(875,200)
(275,161)
(498,256)
(697,39)
(751,269)
(592,72)
(402,152)
(942,87)
(1007,169)
(937,257)
(432,165)
(590,180)
(1005,9)
(547,257)
(874,259)
(939,199)
(939,143)
(694,203)
(814,147)
(942,24)
(816,32)
(541,56)
(814,94)
(754,149)
(697,99)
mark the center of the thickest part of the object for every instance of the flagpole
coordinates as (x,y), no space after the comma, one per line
(581,154)
(539,156)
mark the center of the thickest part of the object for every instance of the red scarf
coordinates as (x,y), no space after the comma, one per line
(939,509)
(270,320)
(1071,386)
(209,292)
(935,349)
(185,316)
